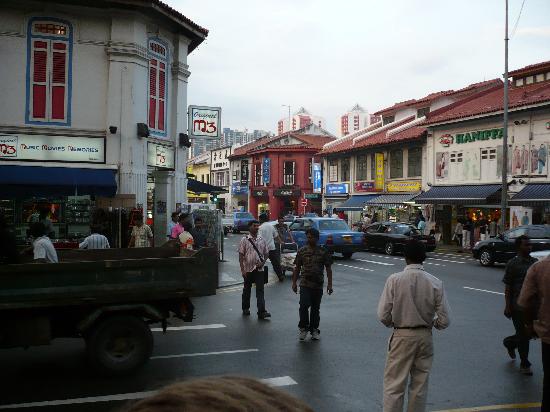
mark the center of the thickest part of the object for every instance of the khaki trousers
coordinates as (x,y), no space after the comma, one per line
(410,352)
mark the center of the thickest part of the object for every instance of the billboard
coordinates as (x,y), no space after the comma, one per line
(379,176)
(204,122)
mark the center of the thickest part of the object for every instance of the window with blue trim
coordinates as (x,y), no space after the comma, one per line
(158,61)
(49,51)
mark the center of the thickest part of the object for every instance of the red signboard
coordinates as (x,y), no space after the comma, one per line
(365,187)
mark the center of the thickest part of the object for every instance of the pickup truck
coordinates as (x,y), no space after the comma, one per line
(107,297)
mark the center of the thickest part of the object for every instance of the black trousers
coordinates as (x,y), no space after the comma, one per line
(275,258)
(546,384)
(520,340)
(256,277)
(310,305)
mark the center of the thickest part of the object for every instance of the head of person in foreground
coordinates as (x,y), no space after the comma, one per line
(415,252)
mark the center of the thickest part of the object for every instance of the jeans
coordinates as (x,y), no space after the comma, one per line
(520,340)
(546,380)
(310,304)
(466,239)
(275,258)
(256,277)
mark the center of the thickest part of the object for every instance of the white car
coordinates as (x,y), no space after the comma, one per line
(541,254)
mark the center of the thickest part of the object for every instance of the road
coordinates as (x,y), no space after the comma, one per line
(341,372)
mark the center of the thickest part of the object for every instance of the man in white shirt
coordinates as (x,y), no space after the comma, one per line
(95,240)
(413,301)
(270,235)
(43,249)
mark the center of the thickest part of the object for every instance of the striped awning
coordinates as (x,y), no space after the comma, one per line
(391,199)
(355,203)
(460,195)
(533,194)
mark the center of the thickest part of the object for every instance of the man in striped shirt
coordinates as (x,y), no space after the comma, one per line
(95,240)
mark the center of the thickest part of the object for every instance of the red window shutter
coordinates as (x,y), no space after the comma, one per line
(39,80)
(152,93)
(161,115)
(59,82)
(161,96)
(39,101)
(58,67)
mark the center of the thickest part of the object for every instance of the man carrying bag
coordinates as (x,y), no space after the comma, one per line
(253,253)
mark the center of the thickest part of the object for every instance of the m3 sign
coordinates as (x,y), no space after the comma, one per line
(204,122)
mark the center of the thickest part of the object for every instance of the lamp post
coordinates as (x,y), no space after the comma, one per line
(287,105)
(504,198)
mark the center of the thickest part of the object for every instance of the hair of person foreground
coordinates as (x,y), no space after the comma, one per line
(225,394)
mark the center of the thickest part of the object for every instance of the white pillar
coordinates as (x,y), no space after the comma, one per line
(163,207)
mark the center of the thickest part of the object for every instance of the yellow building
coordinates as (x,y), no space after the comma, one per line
(199,166)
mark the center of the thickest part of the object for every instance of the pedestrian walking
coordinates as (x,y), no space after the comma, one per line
(413,301)
(178,229)
(253,254)
(534,299)
(185,238)
(311,260)
(173,222)
(95,241)
(198,233)
(269,234)
(458,233)
(421,225)
(43,249)
(142,235)
(514,275)
(493,228)
(466,232)
(367,220)
(483,229)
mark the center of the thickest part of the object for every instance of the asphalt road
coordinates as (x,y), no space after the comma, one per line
(341,372)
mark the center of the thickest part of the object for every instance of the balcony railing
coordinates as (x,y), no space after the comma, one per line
(288,180)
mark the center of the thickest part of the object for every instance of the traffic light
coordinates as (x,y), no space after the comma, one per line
(214,198)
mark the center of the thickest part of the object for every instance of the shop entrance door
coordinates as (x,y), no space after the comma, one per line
(443,219)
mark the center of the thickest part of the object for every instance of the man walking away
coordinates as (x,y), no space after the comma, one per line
(493,228)
(514,275)
(458,233)
(466,232)
(269,234)
(310,261)
(413,301)
(172,224)
(43,249)
(253,254)
(95,240)
(534,299)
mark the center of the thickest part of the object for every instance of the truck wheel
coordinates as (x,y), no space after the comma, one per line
(119,345)
(347,255)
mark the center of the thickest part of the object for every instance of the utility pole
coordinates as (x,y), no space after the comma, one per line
(504,198)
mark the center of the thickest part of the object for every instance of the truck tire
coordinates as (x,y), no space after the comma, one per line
(119,344)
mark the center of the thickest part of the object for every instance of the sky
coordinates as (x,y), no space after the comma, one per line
(328,55)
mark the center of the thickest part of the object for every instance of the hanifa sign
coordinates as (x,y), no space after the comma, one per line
(204,122)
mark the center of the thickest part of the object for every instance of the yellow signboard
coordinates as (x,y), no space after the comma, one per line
(404,186)
(379,177)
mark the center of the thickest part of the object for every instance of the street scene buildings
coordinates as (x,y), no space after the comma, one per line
(180,203)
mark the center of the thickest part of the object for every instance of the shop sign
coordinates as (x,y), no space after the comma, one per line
(266,169)
(244,172)
(379,175)
(239,189)
(204,122)
(159,155)
(312,196)
(287,192)
(259,193)
(317,178)
(337,189)
(52,148)
(366,187)
(459,138)
(405,186)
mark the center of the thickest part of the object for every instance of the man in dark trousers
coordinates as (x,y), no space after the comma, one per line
(514,275)
(310,262)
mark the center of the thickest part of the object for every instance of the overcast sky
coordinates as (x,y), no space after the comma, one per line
(327,55)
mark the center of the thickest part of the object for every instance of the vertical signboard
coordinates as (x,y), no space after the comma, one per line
(244,172)
(204,122)
(379,177)
(317,178)
(266,166)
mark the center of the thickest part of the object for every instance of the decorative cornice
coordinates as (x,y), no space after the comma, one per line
(51,131)
(126,49)
(93,42)
(180,69)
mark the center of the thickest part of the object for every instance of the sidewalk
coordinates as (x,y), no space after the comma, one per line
(443,248)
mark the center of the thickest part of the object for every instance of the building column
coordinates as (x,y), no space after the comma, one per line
(164,201)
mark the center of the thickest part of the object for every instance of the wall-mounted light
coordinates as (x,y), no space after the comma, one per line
(112,129)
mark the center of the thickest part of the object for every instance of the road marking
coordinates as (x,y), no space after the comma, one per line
(192,355)
(375,262)
(484,290)
(193,327)
(435,264)
(495,407)
(446,260)
(354,267)
(276,382)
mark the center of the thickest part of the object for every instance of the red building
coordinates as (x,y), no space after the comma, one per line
(281,172)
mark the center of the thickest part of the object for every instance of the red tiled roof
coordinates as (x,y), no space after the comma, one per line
(491,101)
(309,141)
(180,16)
(381,138)
(531,69)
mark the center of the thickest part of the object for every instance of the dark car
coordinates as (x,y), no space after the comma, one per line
(502,248)
(391,237)
(241,220)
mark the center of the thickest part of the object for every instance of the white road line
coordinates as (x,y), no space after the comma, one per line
(375,262)
(446,260)
(354,267)
(193,327)
(435,264)
(277,382)
(484,290)
(192,355)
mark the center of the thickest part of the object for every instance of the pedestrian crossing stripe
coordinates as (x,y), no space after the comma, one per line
(495,407)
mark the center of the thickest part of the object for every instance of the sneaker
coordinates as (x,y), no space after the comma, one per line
(315,335)
(526,370)
(264,315)
(246,312)
(303,334)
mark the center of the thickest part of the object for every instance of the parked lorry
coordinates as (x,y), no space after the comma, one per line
(107,297)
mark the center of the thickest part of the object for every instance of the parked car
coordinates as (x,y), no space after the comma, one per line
(228,220)
(241,220)
(392,236)
(335,234)
(541,254)
(311,214)
(502,248)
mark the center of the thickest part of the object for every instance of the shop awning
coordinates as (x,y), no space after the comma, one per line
(461,195)
(356,202)
(38,181)
(200,187)
(391,199)
(533,194)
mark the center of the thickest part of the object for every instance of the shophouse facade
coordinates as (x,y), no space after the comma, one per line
(97,100)
(220,176)
(199,167)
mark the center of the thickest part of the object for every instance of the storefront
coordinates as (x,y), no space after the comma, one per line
(288,201)
(531,205)
(160,159)
(392,207)
(335,195)
(259,203)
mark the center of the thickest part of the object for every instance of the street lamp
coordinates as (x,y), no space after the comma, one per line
(504,192)
(287,105)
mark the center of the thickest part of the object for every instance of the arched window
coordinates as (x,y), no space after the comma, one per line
(49,61)
(158,62)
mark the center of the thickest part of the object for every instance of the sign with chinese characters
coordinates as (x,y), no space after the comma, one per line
(204,122)
(244,172)
(52,148)
(219,158)
(379,171)
(337,189)
(366,187)
(287,192)
(317,178)
(404,186)
(159,155)
(266,170)
(239,189)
